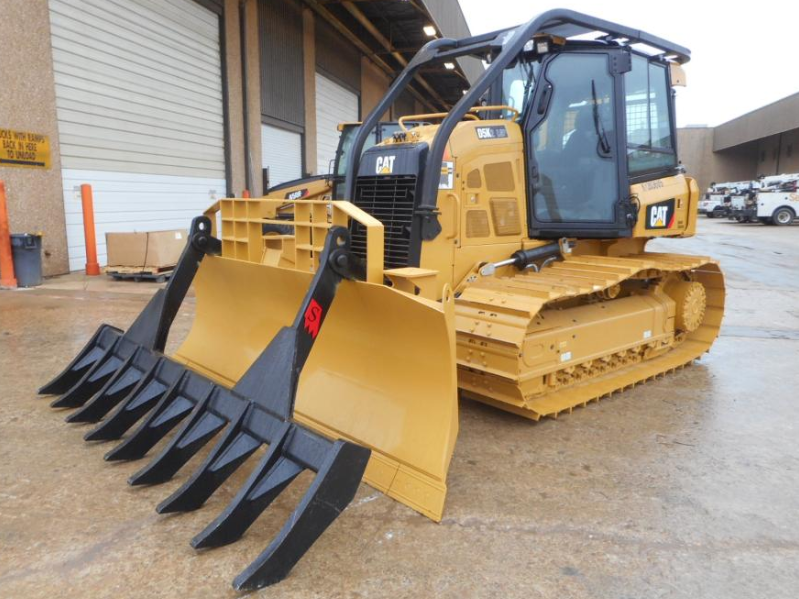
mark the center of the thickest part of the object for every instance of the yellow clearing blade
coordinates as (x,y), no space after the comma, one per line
(382,372)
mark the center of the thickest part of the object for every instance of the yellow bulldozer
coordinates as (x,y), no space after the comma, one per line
(496,254)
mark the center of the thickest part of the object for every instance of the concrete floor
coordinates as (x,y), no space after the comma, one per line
(683,487)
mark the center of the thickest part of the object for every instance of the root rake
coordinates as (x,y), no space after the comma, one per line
(121,379)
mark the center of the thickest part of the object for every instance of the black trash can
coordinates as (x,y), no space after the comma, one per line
(27,252)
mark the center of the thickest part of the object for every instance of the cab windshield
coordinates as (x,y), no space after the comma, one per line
(348,134)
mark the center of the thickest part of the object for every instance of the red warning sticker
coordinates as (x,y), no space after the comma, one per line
(313,318)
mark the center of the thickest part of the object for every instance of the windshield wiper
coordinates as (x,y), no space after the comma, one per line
(528,85)
(604,144)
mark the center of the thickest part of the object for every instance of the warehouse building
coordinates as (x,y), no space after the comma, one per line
(762,142)
(165,105)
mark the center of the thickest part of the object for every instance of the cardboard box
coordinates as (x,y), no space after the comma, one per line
(150,250)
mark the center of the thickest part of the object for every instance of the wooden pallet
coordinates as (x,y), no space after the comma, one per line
(132,273)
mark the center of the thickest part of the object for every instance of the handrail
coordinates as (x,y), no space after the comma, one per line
(496,107)
(429,115)
(442,115)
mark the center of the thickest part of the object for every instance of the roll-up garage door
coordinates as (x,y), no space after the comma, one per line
(140,113)
(334,104)
(281,153)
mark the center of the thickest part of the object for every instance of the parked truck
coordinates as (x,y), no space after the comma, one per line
(721,198)
(741,200)
(775,203)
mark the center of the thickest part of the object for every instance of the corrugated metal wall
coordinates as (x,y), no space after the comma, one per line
(282,93)
(281,153)
(334,104)
(140,113)
(138,86)
(336,58)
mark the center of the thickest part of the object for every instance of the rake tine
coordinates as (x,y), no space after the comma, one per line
(172,408)
(194,434)
(92,380)
(271,476)
(330,492)
(228,454)
(114,390)
(138,402)
(91,352)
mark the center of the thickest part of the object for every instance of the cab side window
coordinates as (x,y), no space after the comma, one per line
(650,147)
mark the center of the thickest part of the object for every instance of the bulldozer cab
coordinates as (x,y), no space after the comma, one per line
(599,118)
(594,116)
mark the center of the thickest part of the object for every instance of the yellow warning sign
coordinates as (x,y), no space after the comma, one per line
(25,149)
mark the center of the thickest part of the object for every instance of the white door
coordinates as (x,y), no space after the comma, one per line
(281,153)
(334,104)
(140,116)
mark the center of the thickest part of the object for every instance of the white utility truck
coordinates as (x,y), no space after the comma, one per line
(777,200)
(722,198)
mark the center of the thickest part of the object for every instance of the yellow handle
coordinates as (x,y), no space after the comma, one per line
(431,115)
(455,215)
(496,107)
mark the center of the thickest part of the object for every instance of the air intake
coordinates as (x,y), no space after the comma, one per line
(390,199)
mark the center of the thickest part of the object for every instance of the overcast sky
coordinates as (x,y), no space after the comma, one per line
(743,54)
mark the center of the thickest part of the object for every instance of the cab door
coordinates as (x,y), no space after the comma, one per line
(575,147)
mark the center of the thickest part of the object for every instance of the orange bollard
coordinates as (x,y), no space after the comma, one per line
(6,259)
(92,266)
(245,194)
